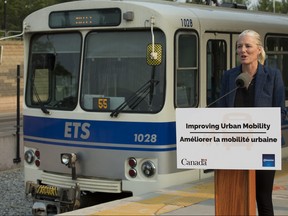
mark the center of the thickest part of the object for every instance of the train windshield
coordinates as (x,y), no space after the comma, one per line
(53,72)
(116,74)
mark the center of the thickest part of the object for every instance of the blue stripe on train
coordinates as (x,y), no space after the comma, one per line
(136,133)
(95,146)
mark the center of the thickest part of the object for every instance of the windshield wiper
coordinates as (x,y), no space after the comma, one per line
(136,98)
(42,107)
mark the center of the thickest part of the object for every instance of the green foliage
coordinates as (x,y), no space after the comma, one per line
(276,6)
(284,8)
(17,10)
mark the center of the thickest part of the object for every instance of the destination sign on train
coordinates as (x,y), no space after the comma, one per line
(85,18)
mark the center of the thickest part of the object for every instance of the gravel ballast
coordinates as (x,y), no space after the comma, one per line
(13,198)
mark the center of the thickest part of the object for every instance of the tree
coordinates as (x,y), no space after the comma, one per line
(267,5)
(17,10)
(284,8)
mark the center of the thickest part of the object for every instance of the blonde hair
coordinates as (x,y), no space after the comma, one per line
(254,34)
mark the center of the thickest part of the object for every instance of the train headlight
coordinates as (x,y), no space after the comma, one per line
(68,159)
(29,156)
(65,159)
(148,168)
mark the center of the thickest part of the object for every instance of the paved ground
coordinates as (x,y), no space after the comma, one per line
(190,199)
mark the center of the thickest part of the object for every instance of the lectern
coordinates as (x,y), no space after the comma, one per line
(232,144)
(235,192)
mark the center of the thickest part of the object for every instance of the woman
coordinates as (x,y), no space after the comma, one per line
(266,89)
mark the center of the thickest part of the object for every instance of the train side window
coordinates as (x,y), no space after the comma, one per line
(277,56)
(186,85)
(216,65)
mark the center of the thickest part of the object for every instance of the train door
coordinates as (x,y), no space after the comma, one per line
(187,69)
(218,59)
(276,47)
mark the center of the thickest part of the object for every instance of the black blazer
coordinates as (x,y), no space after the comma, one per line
(269,88)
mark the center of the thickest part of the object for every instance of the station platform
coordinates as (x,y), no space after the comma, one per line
(195,198)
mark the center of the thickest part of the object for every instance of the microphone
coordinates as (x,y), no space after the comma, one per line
(242,81)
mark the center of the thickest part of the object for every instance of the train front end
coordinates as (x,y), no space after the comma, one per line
(94,114)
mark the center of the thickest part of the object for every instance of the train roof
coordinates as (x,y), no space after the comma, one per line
(211,17)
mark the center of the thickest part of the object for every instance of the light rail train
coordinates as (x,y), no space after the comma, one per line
(103,80)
